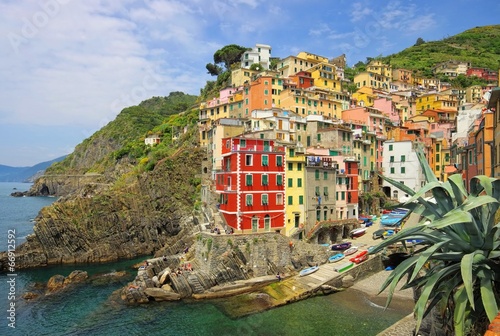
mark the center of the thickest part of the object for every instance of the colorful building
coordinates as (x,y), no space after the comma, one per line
(295,192)
(250,185)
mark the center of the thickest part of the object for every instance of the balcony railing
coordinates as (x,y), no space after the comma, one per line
(258,148)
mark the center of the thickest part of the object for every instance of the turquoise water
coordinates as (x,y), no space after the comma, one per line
(92,308)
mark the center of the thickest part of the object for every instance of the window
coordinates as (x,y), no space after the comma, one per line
(325,191)
(248,159)
(290,182)
(249,180)
(391,147)
(391,159)
(279,180)
(325,175)
(299,182)
(243,143)
(290,166)
(265,200)
(301,199)
(290,200)
(437,158)
(318,137)
(317,191)
(316,174)
(299,166)
(279,160)
(403,170)
(265,179)
(265,160)
(279,199)
(392,170)
(249,200)
(267,223)
(342,195)
(403,158)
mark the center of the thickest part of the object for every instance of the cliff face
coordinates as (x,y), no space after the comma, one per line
(103,222)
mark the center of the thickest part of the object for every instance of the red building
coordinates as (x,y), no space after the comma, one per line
(250,185)
(486,74)
(352,185)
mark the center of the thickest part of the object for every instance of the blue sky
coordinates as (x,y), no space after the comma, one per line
(68,67)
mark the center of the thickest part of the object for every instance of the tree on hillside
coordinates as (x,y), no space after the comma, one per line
(213,69)
(419,41)
(226,56)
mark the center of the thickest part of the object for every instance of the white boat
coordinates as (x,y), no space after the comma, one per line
(351,250)
(357,232)
(308,271)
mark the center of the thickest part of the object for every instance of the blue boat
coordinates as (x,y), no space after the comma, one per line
(336,257)
(392,219)
(308,271)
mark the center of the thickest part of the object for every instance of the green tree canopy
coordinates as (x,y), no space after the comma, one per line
(228,55)
(419,41)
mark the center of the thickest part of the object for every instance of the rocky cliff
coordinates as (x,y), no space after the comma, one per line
(119,198)
(134,216)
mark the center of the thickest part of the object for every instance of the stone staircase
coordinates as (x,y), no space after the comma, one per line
(195,284)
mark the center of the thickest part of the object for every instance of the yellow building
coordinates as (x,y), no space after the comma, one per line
(436,101)
(302,62)
(295,189)
(473,94)
(240,76)
(313,101)
(325,76)
(377,75)
(364,96)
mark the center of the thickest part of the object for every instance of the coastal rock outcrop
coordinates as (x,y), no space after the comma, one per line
(135,215)
(215,265)
(58,282)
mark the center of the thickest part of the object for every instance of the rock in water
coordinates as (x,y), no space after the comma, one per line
(76,277)
(159,294)
(55,283)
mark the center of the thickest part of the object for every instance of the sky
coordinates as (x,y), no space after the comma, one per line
(68,67)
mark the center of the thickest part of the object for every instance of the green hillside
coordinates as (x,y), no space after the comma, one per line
(480,46)
(123,138)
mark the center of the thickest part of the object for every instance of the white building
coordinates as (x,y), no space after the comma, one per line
(261,54)
(400,163)
(152,140)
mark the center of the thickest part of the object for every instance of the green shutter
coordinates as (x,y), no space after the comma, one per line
(265,180)
(265,160)
(279,179)
(249,180)
(264,199)
(279,160)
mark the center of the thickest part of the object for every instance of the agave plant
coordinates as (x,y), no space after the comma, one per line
(457,269)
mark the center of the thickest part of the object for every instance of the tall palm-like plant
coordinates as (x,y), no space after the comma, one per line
(457,269)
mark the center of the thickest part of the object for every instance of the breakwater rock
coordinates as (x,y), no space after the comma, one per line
(214,265)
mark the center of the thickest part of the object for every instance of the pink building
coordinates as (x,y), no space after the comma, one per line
(375,121)
(386,105)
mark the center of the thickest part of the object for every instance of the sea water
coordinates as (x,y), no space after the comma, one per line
(94,308)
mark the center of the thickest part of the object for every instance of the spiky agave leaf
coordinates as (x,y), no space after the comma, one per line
(462,247)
